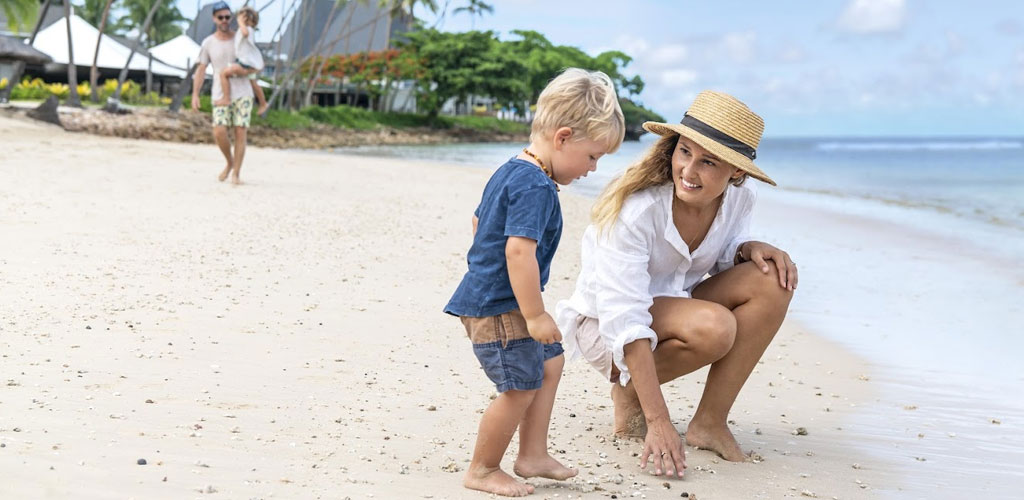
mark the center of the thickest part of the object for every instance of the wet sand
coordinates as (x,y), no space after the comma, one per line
(285,339)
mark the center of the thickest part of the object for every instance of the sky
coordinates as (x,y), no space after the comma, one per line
(810,68)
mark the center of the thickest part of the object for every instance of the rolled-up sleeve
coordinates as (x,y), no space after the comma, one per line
(623,294)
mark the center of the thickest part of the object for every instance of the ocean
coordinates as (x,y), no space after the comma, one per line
(922,279)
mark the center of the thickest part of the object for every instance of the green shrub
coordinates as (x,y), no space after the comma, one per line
(285,120)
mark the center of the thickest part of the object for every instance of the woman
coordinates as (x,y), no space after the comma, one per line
(644,314)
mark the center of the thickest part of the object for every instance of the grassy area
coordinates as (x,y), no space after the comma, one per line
(348,117)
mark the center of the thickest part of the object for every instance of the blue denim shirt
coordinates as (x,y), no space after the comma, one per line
(519,200)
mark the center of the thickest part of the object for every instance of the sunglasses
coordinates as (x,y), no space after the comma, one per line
(224,18)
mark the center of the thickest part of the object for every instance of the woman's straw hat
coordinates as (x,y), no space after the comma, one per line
(724,126)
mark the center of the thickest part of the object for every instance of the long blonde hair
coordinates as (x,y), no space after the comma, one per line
(654,169)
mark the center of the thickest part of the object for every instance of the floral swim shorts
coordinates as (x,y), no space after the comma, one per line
(236,114)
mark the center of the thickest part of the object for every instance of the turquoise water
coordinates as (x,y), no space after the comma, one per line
(976,179)
(921,277)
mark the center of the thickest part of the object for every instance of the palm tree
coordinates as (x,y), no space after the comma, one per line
(19,66)
(113,104)
(73,99)
(19,12)
(93,11)
(165,23)
(475,8)
(94,73)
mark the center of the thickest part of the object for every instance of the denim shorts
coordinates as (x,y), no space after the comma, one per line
(507,353)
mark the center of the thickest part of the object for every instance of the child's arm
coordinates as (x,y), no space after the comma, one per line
(524,275)
(243,26)
(476,221)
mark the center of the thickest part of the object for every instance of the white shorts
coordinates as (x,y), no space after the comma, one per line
(592,346)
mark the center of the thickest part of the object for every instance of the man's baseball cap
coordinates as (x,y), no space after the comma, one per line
(221,6)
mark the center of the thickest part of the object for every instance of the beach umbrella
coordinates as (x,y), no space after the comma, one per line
(15,50)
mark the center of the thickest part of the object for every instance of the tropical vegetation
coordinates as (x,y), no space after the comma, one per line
(35,89)
(478,70)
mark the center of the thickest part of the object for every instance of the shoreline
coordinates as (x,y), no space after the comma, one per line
(189,127)
(285,338)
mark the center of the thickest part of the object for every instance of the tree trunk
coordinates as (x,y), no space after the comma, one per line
(73,99)
(186,84)
(113,104)
(295,66)
(277,60)
(94,72)
(345,34)
(319,45)
(19,67)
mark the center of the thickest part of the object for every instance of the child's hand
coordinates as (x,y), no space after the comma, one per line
(543,329)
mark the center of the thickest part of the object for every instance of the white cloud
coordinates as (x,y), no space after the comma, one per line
(740,47)
(1020,68)
(632,45)
(667,55)
(873,16)
(791,54)
(675,78)
(954,43)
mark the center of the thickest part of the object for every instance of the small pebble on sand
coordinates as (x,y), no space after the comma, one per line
(141,461)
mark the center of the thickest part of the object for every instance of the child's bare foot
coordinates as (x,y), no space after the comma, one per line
(495,481)
(235,180)
(715,437)
(224,173)
(263,109)
(223,101)
(630,422)
(545,466)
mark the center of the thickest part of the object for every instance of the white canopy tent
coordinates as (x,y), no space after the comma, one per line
(53,41)
(180,52)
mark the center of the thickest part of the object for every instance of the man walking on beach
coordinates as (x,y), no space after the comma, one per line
(219,49)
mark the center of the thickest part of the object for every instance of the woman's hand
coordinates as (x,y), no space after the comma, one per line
(760,252)
(664,447)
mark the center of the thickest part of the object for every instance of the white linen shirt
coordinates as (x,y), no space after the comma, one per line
(641,257)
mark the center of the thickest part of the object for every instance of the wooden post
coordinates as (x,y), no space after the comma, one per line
(149,75)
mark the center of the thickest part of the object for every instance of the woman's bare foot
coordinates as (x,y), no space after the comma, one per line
(715,437)
(224,173)
(223,101)
(235,180)
(263,109)
(495,481)
(630,422)
(546,467)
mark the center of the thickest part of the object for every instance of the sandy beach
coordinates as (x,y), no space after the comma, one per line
(284,339)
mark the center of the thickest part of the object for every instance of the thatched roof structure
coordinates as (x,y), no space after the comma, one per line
(13,49)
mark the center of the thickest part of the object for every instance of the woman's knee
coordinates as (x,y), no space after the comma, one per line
(766,285)
(712,330)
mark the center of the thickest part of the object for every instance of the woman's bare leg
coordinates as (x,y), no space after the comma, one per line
(692,333)
(759,305)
